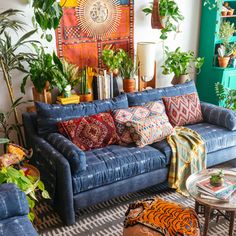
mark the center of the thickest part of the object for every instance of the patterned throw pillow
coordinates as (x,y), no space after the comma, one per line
(90,132)
(184,109)
(122,116)
(150,130)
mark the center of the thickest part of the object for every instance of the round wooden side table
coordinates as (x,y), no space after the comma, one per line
(207,207)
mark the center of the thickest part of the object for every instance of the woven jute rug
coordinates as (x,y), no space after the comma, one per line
(107,218)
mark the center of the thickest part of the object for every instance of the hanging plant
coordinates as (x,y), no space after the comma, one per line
(169,14)
(47,14)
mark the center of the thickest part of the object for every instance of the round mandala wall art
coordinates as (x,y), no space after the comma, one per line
(98,18)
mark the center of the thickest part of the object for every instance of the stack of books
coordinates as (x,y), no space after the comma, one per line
(210,192)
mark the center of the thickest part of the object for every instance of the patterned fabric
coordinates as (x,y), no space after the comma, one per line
(219,116)
(188,157)
(149,130)
(184,109)
(77,38)
(48,115)
(115,163)
(141,98)
(91,132)
(71,152)
(167,218)
(123,116)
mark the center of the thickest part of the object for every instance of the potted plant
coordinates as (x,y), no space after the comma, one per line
(112,59)
(128,70)
(44,73)
(226,31)
(180,63)
(217,179)
(226,96)
(168,14)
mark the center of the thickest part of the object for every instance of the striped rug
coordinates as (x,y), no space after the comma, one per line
(106,219)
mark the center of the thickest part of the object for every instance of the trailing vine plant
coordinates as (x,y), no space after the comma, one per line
(170,14)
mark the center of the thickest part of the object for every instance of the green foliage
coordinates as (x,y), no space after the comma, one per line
(6,128)
(47,14)
(28,184)
(45,67)
(226,96)
(112,59)
(4,140)
(215,178)
(226,32)
(180,63)
(170,12)
(127,67)
(212,4)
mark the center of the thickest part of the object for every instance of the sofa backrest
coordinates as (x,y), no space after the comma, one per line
(140,98)
(49,114)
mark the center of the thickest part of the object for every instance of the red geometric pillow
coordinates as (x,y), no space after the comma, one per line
(184,109)
(90,132)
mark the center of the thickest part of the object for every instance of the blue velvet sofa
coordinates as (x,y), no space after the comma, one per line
(13,212)
(77,179)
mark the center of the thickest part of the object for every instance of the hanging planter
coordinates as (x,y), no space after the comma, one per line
(156,20)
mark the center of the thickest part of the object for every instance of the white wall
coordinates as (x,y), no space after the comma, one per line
(187,39)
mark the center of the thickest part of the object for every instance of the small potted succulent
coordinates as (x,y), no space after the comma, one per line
(217,179)
(128,70)
(180,63)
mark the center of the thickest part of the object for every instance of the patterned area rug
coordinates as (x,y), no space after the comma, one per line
(107,218)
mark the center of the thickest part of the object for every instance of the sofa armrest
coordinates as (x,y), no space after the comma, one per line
(13,202)
(219,116)
(54,169)
(70,151)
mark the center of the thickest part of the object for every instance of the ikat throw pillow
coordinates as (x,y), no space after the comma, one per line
(90,132)
(149,130)
(123,116)
(184,109)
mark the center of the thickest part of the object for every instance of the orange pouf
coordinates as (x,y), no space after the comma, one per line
(158,217)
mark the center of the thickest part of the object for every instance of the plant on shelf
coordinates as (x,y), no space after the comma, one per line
(128,70)
(113,58)
(13,55)
(169,14)
(226,96)
(226,31)
(43,72)
(180,63)
(47,15)
(28,184)
(217,179)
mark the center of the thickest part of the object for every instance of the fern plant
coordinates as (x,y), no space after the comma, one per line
(226,96)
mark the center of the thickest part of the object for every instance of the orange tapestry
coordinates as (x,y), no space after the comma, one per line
(87,26)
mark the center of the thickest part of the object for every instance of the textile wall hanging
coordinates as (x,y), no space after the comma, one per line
(87,26)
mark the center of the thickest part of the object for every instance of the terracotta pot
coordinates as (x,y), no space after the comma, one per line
(180,79)
(129,85)
(86,97)
(157,20)
(224,13)
(223,61)
(230,12)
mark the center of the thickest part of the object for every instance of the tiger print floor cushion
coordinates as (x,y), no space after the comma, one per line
(156,217)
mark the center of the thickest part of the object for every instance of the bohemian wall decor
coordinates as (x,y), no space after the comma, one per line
(88,26)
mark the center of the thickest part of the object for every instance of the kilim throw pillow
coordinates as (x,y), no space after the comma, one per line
(122,116)
(149,130)
(90,132)
(184,109)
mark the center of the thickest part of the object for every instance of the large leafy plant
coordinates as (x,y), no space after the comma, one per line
(180,63)
(170,14)
(42,69)
(28,184)
(13,55)
(47,15)
(226,96)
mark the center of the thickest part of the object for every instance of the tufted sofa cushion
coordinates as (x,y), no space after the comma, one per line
(49,114)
